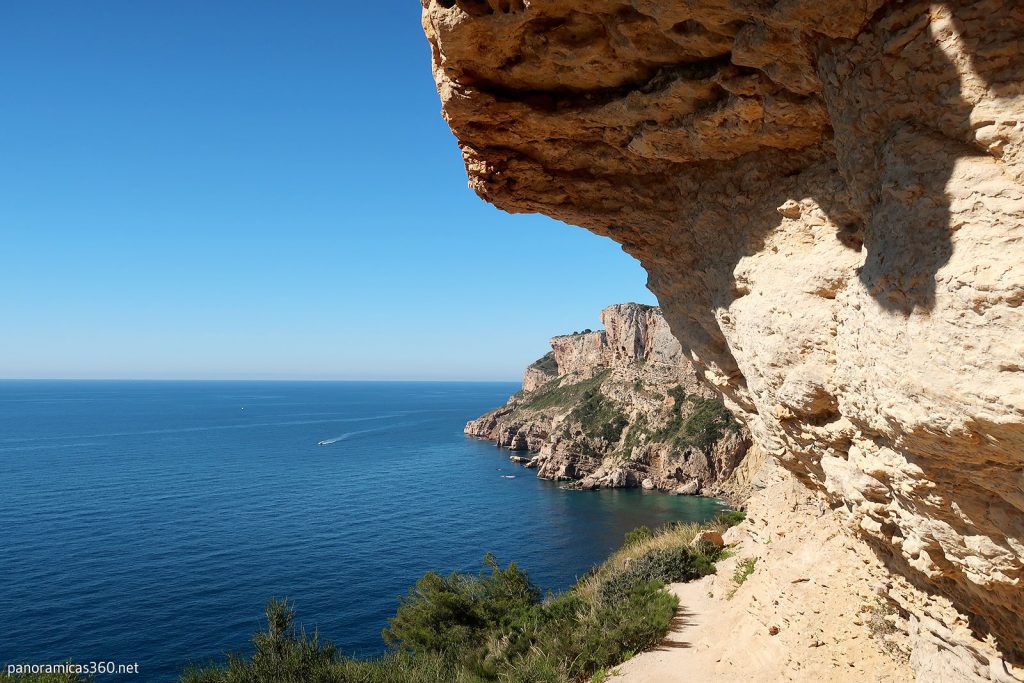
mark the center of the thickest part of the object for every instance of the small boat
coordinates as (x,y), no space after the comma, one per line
(323,443)
(508,476)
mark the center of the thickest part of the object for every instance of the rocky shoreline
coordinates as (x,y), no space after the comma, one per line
(620,408)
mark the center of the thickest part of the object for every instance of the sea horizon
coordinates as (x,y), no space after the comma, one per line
(253,379)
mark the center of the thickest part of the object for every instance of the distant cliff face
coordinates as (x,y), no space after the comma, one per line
(620,407)
(828,198)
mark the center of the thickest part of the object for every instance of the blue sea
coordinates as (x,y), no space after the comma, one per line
(149,522)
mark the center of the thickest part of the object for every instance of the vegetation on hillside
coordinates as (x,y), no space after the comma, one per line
(547,363)
(556,395)
(599,416)
(692,421)
(639,433)
(695,421)
(495,625)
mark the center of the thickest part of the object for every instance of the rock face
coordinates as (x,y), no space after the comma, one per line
(621,407)
(828,199)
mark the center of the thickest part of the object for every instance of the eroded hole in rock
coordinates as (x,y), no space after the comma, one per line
(545,24)
(447,4)
(691,71)
(732,28)
(851,236)
(514,60)
(690,28)
(475,8)
(629,14)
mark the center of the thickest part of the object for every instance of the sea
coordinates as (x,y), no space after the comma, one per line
(149,522)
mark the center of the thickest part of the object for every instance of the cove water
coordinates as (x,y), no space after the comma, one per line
(149,522)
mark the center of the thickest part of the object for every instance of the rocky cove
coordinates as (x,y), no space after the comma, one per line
(621,407)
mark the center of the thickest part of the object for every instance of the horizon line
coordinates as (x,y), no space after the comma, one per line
(238,379)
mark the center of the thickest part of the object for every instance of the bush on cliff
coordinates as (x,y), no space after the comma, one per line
(730,517)
(547,363)
(453,615)
(637,535)
(284,652)
(669,565)
(494,626)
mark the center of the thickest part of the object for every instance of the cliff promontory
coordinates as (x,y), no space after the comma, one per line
(828,199)
(620,407)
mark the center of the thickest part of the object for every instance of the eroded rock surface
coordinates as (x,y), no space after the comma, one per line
(618,408)
(828,199)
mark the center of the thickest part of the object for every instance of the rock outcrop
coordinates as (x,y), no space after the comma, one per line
(829,200)
(620,407)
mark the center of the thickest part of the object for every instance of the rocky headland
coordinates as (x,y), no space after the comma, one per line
(829,201)
(621,407)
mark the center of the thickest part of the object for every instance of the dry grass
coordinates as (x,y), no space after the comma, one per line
(881,622)
(672,536)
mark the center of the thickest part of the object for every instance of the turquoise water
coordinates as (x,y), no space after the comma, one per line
(150,521)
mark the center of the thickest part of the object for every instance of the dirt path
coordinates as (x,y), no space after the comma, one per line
(809,612)
(667,663)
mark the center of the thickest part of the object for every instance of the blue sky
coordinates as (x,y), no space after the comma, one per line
(260,190)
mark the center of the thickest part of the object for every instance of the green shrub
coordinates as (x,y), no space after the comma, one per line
(637,535)
(402,667)
(743,570)
(284,652)
(730,518)
(637,622)
(664,565)
(455,613)
(678,393)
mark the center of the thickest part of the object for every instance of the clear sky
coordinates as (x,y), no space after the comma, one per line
(260,189)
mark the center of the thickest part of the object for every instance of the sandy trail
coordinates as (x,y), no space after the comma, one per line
(809,612)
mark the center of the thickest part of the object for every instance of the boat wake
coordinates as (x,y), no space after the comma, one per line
(210,428)
(348,435)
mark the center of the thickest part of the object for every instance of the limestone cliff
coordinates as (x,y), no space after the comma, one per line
(828,199)
(621,407)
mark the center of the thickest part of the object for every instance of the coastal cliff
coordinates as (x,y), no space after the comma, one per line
(828,199)
(620,407)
